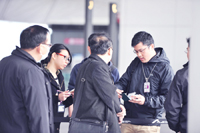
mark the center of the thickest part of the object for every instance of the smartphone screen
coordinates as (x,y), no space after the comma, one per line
(125,97)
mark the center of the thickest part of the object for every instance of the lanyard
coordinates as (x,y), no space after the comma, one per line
(149,74)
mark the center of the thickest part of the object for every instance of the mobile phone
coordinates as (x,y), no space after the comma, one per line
(71,91)
(125,97)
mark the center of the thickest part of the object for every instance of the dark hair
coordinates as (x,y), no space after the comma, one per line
(188,41)
(57,49)
(99,43)
(143,37)
(32,36)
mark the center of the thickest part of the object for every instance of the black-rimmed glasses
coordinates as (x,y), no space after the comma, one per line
(141,50)
(47,44)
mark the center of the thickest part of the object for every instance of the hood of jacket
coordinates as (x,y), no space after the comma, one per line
(160,56)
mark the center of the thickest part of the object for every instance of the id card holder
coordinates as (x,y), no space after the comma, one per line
(61,107)
(146,87)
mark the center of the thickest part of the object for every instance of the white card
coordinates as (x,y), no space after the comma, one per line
(146,87)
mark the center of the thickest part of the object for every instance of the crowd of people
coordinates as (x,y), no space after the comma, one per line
(33,94)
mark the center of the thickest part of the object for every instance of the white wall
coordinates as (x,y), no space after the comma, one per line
(10,35)
(169,22)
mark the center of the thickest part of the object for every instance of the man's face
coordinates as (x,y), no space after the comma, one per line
(144,52)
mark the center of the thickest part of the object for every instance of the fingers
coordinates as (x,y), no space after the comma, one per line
(119,92)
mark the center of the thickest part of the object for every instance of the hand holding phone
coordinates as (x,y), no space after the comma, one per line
(125,97)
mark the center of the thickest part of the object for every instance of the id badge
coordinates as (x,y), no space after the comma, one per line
(61,108)
(146,87)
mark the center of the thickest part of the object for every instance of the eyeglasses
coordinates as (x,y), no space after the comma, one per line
(47,44)
(65,57)
(141,50)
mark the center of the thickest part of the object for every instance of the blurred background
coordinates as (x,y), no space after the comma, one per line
(170,22)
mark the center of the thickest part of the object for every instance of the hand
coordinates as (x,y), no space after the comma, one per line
(72,93)
(139,99)
(119,92)
(63,95)
(121,114)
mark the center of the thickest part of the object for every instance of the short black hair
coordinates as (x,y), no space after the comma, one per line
(99,43)
(32,36)
(188,41)
(57,49)
(143,37)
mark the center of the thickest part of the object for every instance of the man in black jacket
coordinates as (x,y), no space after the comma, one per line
(177,99)
(95,92)
(149,76)
(25,93)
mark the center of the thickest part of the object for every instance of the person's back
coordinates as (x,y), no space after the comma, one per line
(95,94)
(24,94)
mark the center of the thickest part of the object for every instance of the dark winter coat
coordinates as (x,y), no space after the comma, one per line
(133,81)
(58,116)
(73,74)
(177,101)
(25,95)
(98,92)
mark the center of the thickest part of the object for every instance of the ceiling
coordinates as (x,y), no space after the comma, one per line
(54,11)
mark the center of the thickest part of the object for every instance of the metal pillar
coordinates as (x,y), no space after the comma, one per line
(113,32)
(88,29)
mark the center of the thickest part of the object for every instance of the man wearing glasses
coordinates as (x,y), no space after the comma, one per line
(148,79)
(25,91)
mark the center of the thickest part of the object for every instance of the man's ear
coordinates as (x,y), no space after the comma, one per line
(89,50)
(109,51)
(152,46)
(39,48)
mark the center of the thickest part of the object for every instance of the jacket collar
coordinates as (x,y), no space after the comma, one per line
(23,54)
(185,65)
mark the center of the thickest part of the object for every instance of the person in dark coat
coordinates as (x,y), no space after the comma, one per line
(25,91)
(58,58)
(149,76)
(73,74)
(98,93)
(176,103)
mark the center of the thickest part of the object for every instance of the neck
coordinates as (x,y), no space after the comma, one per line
(104,58)
(34,54)
(51,67)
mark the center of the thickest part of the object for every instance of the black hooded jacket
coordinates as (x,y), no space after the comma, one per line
(177,101)
(160,79)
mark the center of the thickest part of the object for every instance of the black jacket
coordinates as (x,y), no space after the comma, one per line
(98,92)
(133,81)
(58,116)
(177,101)
(25,95)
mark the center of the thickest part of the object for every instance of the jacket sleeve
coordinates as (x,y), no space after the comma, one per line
(115,74)
(158,100)
(105,89)
(123,82)
(173,104)
(35,97)
(72,80)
